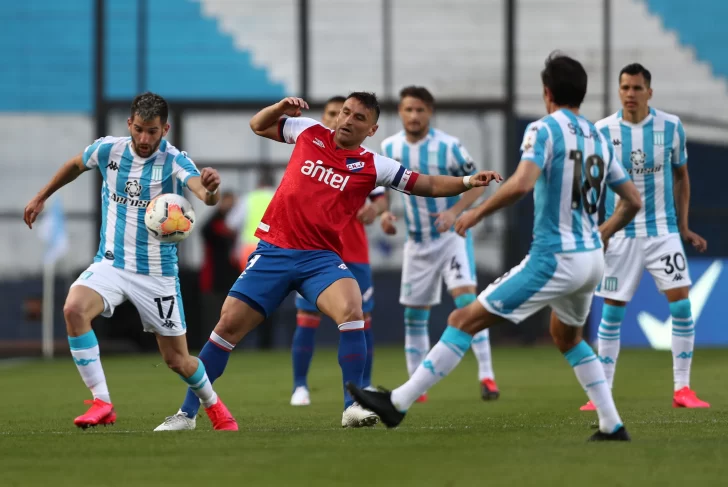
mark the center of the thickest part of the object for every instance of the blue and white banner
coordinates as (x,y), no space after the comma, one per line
(647,322)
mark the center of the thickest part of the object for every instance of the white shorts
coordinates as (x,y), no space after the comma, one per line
(627,258)
(565,281)
(157,298)
(427,264)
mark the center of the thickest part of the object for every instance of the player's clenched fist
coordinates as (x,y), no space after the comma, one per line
(292,106)
(387,222)
(210,179)
(483,178)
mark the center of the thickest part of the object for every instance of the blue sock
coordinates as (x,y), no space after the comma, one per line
(352,359)
(214,356)
(367,378)
(608,339)
(302,348)
(416,337)
(464,300)
(590,374)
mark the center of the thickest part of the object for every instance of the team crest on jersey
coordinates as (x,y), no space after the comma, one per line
(157,172)
(133,188)
(658,138)
(637,158)
(354,166)
(611,284)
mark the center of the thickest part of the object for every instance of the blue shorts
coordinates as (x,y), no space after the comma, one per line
(363,275)
(273,272)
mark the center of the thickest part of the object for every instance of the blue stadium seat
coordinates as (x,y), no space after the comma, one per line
(700,26)
(46,46)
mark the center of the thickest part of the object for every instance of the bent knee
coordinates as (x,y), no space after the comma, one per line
(457,319)
(75,312)
(176,363)
(564,344)
(351,312)
(237,319)
(566,337)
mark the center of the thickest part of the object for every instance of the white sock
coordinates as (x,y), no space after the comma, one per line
(416,337)
(609,339)
(201,386)
(683,342)
(86,355)
(591,376)
(481,349)
(442,359)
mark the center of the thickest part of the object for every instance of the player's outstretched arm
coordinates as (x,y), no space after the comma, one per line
(206,186)
(629,204)
(515,188)
(439,186)
(72,169)
(265,122)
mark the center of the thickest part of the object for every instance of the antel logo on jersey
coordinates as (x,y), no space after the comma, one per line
(317,171)
(354,166)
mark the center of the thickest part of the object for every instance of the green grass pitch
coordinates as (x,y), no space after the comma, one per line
(533,436)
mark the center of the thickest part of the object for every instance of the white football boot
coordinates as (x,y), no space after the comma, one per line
(178,422)
(356,416)
(300,397)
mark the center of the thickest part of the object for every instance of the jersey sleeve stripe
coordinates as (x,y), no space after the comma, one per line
(398,177)
(411,179)
(185,163)
(682,157)
(281,125)
(458,155)
(187,168)
(89,152)
(404,180)
(536,152)
(619,182)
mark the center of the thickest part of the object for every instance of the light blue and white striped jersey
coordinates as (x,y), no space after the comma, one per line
(130,183)
(438,153)
(648,150)
(576,162)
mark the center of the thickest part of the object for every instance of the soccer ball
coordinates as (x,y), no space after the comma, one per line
(170,218)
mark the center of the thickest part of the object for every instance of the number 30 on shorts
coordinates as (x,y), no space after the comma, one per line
(673,262)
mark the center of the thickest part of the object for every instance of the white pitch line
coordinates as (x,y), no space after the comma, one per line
(11,363)
(111,431)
